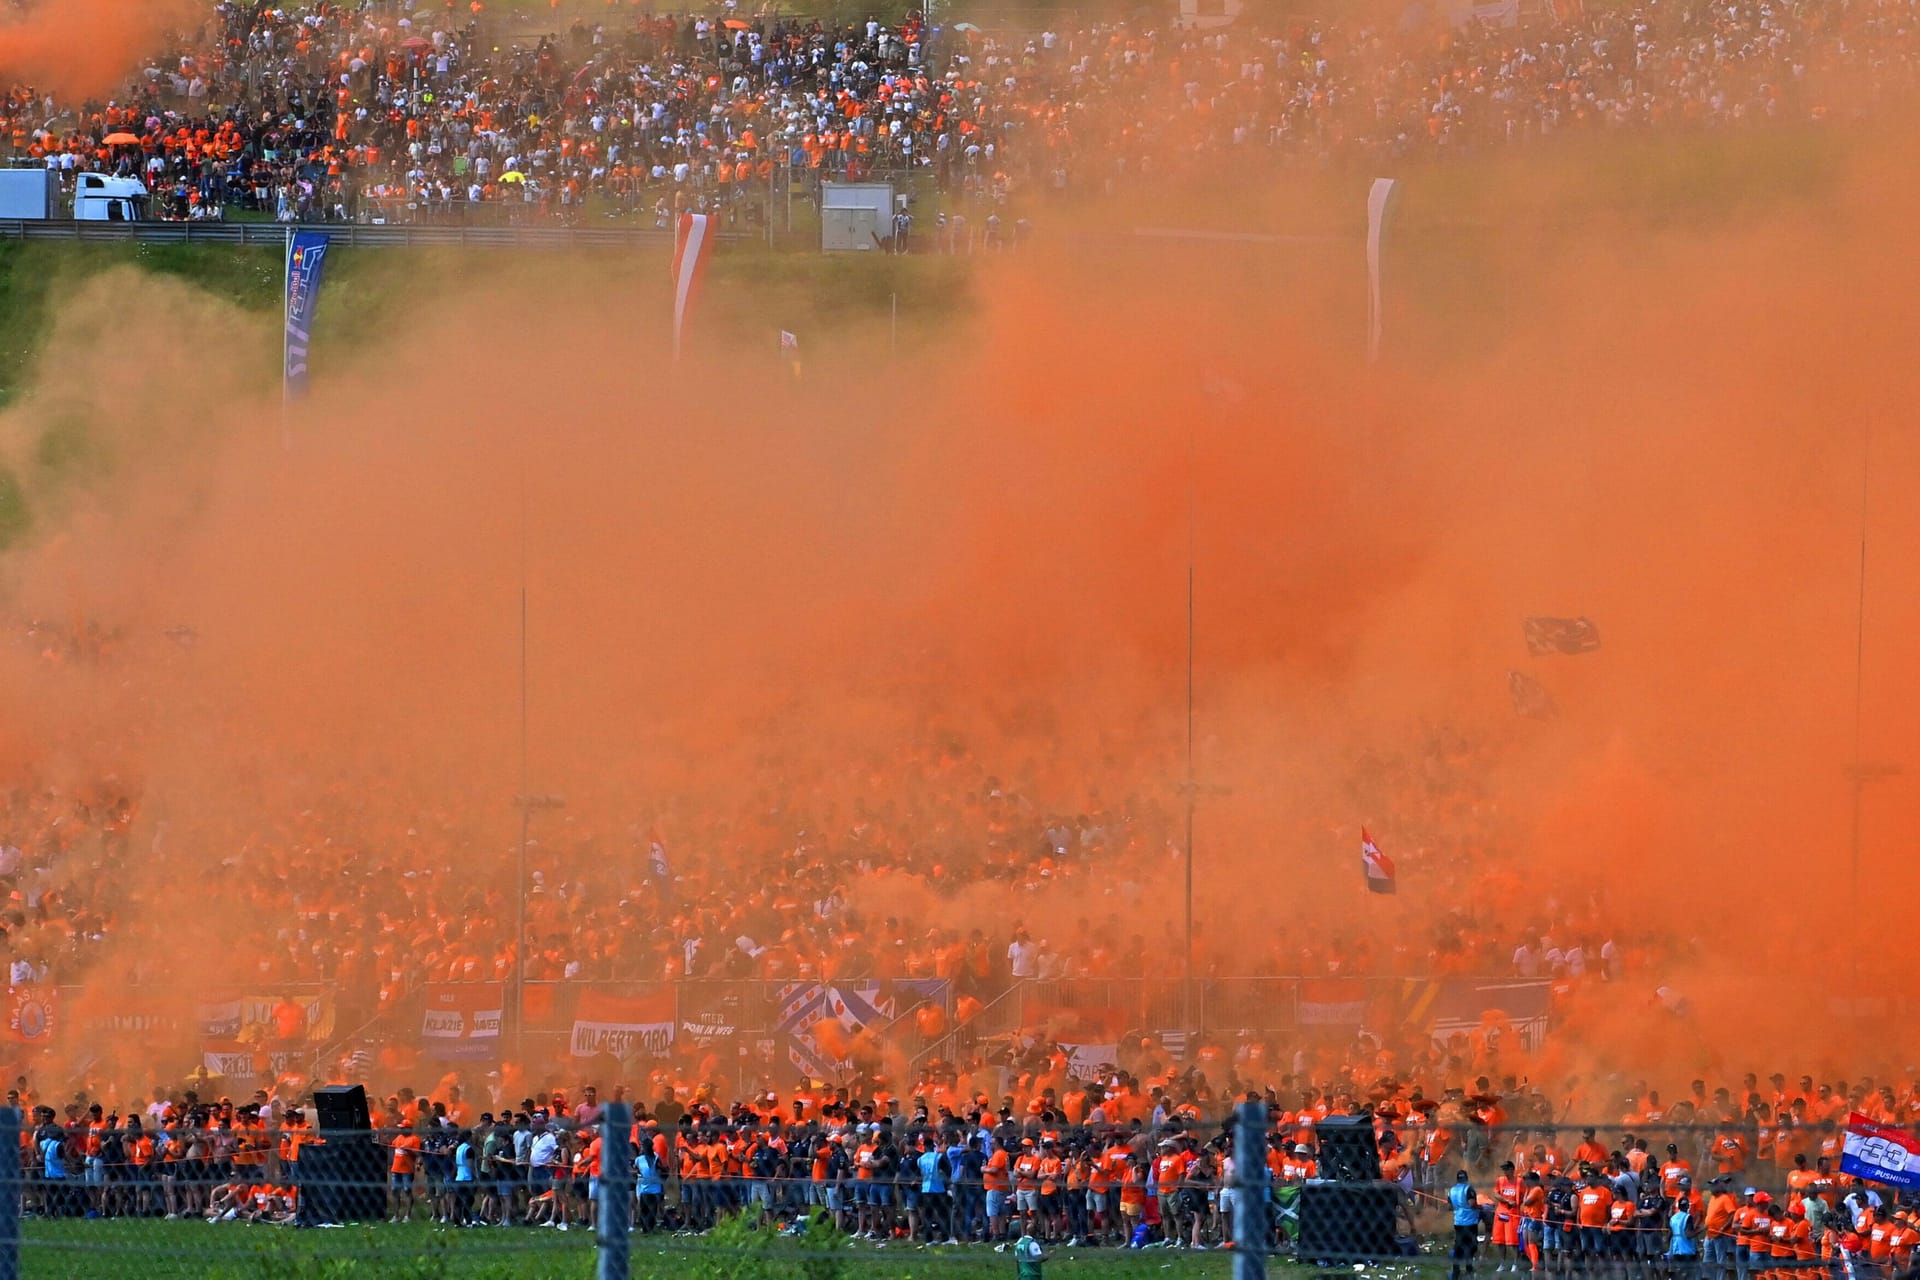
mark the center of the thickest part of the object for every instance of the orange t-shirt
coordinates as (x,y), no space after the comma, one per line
(406,1152)
(1595,1202)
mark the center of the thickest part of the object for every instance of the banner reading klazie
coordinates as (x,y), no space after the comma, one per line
(461,1020)
(622,1025)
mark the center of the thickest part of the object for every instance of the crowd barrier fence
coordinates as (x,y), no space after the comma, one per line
(564,1196)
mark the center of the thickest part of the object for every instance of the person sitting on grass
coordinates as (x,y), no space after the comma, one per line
(227,1202)
(541,1211)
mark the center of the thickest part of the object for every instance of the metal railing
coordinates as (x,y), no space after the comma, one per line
(346,235)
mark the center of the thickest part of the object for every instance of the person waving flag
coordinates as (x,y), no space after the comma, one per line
(1378,866)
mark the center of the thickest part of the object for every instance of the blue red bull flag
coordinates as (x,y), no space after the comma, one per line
(306,255)
(1880,1153)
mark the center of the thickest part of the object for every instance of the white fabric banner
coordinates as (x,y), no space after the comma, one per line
(1377,200)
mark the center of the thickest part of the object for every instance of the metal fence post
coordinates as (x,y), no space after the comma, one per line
(616,1191)
(10,1122)
(1251,1228)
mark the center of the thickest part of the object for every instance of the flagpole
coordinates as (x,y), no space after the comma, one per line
(1187,1018)
(286,340)
(1860,772)
(526,815)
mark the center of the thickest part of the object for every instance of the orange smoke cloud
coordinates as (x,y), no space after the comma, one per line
(88,47)
(755,606)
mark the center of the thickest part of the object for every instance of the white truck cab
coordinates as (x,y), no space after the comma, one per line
(100,198)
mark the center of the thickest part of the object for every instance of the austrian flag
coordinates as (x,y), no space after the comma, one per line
(692,246)
(1378,866)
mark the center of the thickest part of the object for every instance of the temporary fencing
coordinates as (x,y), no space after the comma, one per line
(541,1197)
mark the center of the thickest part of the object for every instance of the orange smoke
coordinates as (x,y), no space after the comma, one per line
(88,48)
(756,608)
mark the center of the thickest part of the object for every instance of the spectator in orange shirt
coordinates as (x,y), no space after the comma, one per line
(1593,1209)
(406,1147)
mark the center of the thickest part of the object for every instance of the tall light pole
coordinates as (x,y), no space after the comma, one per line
(1187,859)
(1861,771)
(526,802)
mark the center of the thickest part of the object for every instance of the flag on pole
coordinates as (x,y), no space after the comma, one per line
(692,246)
(657,858)
(1377,865)
(1379,201)
(1530,697)
(790,349)
(306,254)
(1560,635)
(1880,1153)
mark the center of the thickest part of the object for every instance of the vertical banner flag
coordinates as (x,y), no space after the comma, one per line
(306,254)
(1880,1153)
(692,246)
(1378,200)
(1378,866)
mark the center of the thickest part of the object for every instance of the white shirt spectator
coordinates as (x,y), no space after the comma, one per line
(545,1147)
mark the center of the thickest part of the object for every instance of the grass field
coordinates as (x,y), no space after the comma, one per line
(164,1250)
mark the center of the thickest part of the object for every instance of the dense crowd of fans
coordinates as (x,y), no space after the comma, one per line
(334,110)
(341,896)
(1710,1185)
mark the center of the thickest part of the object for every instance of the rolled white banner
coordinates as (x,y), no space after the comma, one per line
(1378,200)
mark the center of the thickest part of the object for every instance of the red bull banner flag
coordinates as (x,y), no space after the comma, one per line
(306,254)
(1880,1153)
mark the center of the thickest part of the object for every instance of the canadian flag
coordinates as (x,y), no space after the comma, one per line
(692,246)
(1378,866)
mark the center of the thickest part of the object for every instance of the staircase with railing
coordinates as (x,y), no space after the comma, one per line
(998,1016)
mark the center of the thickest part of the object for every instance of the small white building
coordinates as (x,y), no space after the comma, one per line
(855,217)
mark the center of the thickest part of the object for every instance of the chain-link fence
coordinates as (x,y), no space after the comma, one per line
(321,1192)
